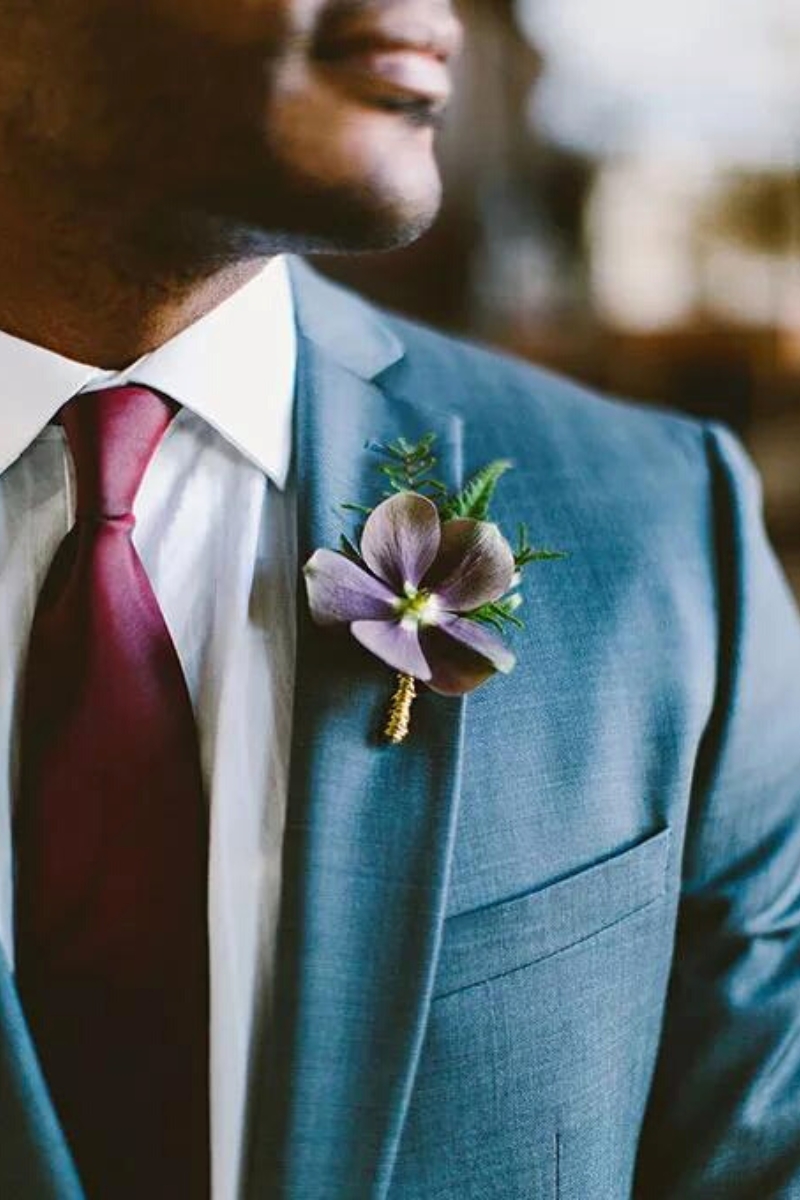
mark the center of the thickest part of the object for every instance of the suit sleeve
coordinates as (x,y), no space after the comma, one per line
(724,1115)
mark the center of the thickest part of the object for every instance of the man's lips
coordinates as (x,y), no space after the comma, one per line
(402,71)
(390,57)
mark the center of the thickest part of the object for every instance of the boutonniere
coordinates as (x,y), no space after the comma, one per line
(432,582)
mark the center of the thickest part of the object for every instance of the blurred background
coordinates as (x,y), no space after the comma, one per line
(623,205)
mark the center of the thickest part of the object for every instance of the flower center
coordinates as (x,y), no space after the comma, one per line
(418,607)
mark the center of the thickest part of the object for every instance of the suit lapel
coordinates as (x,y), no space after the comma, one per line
(369,829)
(35,1162)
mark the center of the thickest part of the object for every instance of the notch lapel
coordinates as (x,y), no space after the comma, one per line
(35,1163)
(369,828)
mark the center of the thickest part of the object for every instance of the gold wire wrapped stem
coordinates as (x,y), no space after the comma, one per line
(399,722)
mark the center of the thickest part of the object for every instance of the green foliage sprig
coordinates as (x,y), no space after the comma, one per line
(406,467)
(474,500)
(524,553)
(500,613)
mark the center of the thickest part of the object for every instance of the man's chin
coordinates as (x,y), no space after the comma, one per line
(361,229)
(353,223)
(378,211)
(276,211)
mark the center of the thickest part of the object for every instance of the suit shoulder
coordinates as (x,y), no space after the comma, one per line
(487,385)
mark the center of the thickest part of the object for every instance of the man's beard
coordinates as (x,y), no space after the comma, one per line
(272,216)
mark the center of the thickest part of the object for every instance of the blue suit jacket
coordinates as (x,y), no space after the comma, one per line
(549,949)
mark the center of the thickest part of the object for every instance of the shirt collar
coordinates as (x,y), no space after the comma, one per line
(235,367)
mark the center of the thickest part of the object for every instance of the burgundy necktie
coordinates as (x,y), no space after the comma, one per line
(111,838)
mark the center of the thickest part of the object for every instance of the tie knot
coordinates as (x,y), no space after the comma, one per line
(113,434)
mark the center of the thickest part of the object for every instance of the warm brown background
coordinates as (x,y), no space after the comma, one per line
(660,263)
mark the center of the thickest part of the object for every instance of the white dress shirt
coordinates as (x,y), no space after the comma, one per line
(216,533)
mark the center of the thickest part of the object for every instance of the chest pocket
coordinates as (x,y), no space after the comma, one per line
(491,941)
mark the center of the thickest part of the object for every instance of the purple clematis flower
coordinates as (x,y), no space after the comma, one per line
(406,603)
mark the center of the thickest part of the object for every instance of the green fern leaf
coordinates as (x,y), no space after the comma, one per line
(473,502)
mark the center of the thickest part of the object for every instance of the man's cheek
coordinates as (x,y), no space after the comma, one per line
(238,22)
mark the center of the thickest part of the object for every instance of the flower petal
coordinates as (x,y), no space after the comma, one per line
(339,591)
(475,565)
(401,539)
(394,643)
(462,655)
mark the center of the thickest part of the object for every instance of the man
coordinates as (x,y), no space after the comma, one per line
(548,947)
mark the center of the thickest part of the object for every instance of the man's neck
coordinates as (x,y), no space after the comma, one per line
(96,295)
